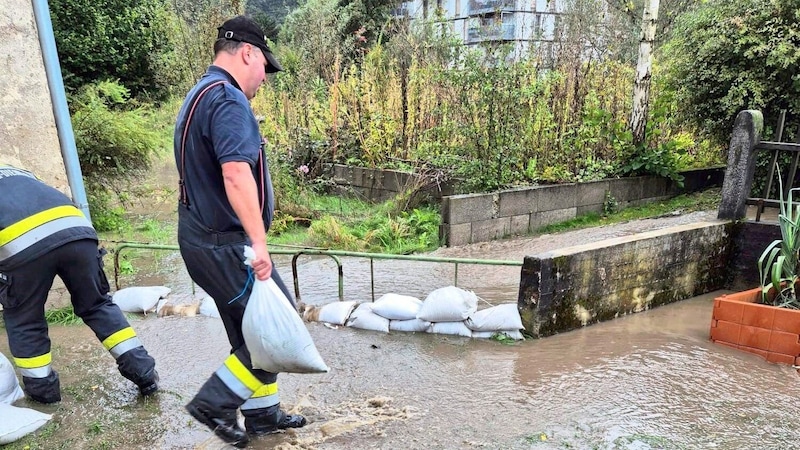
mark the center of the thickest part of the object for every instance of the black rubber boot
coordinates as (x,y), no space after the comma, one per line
(215,406)
(223,425)
(271,420)
(138,366)
(149,387)
(43,390)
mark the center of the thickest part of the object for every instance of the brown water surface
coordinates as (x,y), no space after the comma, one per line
(649,380)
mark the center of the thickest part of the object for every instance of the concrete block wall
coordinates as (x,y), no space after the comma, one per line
(472,218)
(375,185)
(577,286)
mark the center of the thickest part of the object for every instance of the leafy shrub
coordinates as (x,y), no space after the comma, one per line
(730,55)
(115,144)
(110,39)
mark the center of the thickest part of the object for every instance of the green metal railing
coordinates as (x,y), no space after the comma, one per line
(334,254)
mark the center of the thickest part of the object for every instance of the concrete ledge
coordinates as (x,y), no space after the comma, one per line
(584,284)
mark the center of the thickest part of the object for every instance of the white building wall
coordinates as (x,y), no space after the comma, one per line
(28,136)
(526,23)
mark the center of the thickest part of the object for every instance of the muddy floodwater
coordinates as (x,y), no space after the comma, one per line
(650,380)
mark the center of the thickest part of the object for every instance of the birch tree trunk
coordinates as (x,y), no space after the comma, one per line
(641,87)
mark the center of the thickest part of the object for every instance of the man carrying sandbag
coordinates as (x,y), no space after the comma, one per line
(43,235)
(226,202)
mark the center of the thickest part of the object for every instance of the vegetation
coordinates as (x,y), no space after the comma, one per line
(114,39)
(365,88)
(115,141)
(727,56)
(778,264)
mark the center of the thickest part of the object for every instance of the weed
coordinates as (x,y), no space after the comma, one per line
(126,266)
(62,316)
(95,428)
(536,438)
(503,338)
(610,204)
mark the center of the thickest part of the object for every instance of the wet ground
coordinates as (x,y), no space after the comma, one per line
(646,381)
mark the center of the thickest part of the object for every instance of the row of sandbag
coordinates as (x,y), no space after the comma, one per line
(447,310)
(15,422)
(144,299)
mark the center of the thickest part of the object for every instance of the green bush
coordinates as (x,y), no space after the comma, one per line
(730,55)
(115,142)
(111,39)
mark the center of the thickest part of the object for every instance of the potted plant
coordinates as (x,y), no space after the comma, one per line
(766,320)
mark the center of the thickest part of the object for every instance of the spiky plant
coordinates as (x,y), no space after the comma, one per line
(777,265)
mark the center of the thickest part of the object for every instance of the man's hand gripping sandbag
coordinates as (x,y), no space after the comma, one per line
(274,333)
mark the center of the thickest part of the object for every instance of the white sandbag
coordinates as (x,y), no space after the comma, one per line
(397,307)
(336,313)
(274,333)
(208,307)
(448,304)
(365,319)
(456,328)
(500,317)
(409,325)
(512,334)
(139,299)
(18,422)
(9,384)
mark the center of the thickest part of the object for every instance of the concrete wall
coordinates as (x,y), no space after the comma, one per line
(577,286)
(471,218)
(379,185)
(28,136)
(750,240)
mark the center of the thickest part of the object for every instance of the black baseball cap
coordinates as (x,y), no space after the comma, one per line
(244,29)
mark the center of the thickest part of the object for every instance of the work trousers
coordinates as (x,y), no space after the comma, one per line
(215,262)
(23,293)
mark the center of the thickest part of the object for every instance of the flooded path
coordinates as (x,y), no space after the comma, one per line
(651,380)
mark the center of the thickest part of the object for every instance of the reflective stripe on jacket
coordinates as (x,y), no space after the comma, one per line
(35,218)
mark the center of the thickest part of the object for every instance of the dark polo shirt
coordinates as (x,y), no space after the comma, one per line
(223,128)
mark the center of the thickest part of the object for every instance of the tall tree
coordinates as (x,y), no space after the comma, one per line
(641,88)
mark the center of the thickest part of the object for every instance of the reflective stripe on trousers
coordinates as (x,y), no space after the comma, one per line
(122,342)
(238,378)
(263,398)
(35,367)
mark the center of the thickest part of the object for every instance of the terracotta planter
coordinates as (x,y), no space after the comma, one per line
(771,332)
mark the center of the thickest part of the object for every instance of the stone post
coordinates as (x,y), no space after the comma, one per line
(741,165)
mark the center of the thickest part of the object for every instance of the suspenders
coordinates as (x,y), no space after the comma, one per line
(184,198)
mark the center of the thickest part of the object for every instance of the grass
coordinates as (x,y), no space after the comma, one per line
(682,204)
(62,316)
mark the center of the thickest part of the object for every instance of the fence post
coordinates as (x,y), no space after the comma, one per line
(741,165)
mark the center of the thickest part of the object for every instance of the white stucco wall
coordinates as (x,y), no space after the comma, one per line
(28,136)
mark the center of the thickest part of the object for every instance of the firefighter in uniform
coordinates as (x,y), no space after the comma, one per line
(227,202)
(43,235)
